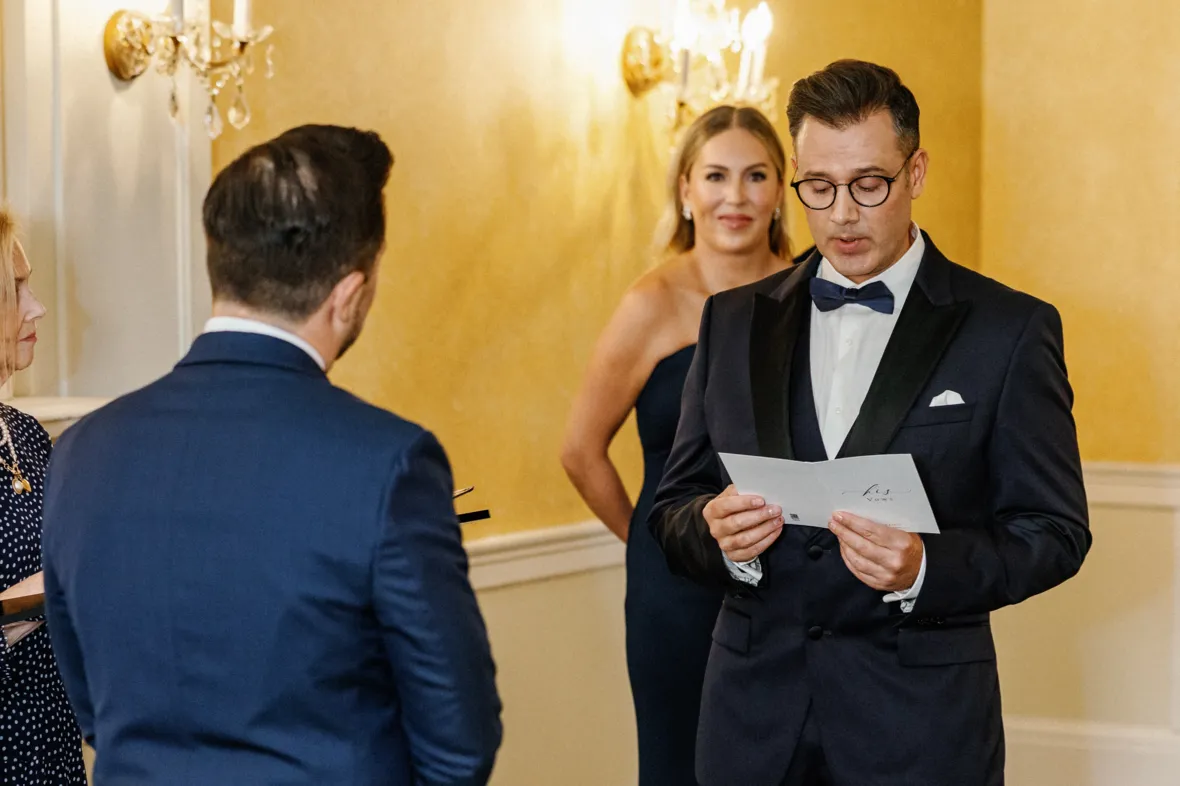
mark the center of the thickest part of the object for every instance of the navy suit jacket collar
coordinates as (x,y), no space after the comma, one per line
(249,349)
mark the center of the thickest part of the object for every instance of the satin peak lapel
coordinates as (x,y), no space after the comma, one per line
(774,328)
(920,338)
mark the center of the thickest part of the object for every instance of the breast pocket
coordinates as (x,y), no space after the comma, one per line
(939,416)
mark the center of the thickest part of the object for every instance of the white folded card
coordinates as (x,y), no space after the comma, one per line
(885,489)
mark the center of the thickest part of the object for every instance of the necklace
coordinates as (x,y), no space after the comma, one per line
(19,483)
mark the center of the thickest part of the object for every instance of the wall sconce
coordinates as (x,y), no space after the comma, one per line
(132,40)
(691,59)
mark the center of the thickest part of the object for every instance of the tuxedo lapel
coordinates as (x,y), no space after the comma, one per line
(774,329)
(927,324)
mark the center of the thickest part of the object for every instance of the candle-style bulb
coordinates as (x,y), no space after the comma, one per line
(242,26)
(757,26)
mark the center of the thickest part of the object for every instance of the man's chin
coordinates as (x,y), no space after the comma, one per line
(850,265)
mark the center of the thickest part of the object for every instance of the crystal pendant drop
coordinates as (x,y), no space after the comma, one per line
(213,120)
(270,63)
(239,111)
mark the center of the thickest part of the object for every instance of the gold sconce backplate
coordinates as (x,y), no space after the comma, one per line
(692,55)
(127,43)
(646,60)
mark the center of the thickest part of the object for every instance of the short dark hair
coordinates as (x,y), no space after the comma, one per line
(291,217)
(848,92)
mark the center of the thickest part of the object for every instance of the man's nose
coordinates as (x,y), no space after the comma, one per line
(844,209)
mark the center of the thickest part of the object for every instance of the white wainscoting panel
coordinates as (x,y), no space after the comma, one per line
(1125,500)
(1046,752)
(109,190)
(1043,750)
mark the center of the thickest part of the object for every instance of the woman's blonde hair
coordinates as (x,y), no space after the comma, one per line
(8,300)
(678,233)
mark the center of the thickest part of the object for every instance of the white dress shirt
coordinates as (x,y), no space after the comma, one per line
(846,348)
(241,325)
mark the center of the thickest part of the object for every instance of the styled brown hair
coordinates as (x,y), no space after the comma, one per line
(679,232)
(848,92)
(9,248)
(291,217)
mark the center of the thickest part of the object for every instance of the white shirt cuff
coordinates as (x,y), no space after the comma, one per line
(906,597)
(745,572)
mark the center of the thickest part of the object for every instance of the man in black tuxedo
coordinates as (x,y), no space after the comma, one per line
(862,655)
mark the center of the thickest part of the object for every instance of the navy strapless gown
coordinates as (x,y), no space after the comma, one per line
(669,619)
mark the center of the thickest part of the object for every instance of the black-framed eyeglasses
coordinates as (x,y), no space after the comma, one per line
(866,190)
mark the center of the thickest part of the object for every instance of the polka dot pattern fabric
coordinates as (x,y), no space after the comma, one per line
(40,743)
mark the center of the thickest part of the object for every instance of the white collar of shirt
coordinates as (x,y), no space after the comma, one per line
(241,325)
(899,277)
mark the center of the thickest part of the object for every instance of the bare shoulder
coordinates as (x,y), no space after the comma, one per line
(646,301)
(655,315)
(674,284)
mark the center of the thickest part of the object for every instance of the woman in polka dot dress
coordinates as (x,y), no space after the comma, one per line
(39,738)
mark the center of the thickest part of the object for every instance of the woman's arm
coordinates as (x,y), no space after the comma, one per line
(619,366)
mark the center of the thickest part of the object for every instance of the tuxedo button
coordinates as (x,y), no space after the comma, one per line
(815,552)
(815,633)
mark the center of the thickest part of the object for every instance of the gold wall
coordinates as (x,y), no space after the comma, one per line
(527,186)
(1080,202)
(936,48)
(1080,207)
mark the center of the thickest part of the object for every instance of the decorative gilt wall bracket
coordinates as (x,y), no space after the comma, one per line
(132,41)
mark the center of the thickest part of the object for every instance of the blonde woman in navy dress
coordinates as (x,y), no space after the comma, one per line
(725,228)
(39,739)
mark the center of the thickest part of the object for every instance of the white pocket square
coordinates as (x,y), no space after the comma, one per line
(946,398)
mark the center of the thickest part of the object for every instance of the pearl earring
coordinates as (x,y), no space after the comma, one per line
(686,213)
(778,213)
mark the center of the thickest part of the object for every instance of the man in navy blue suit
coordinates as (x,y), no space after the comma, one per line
(251,575)
(857,654)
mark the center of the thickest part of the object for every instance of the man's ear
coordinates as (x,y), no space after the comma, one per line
(347,297)
(918,169)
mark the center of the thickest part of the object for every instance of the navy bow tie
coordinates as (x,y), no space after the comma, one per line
(829,296)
